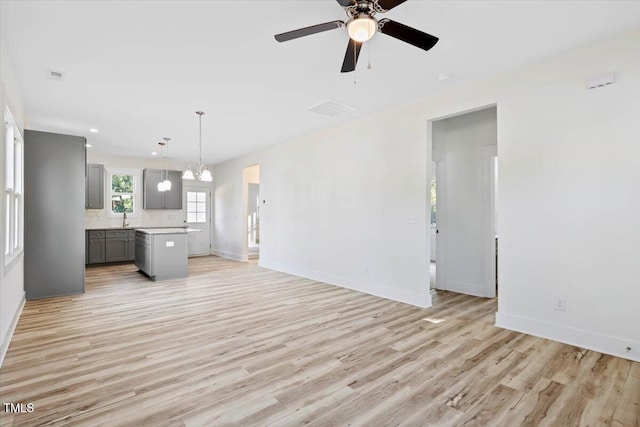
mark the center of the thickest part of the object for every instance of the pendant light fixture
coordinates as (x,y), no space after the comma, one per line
(166,184)
(201,172)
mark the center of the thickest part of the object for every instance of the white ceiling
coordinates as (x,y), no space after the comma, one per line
(138,71)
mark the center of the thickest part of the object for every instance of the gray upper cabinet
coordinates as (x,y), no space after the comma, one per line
(173,197)
(154,199)
(94,187)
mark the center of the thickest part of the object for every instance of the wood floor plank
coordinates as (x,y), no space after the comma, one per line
(236,344)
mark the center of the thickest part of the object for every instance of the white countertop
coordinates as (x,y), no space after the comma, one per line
(162,230)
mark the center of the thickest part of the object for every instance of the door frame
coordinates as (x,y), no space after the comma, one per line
(441,220)
(245,206)
(441,279)
(489,153)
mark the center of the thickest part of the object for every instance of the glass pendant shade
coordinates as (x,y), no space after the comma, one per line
(205,175)
(361,29)
(188,174)
(167,185)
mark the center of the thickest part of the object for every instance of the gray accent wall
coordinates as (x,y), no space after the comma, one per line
(54,237)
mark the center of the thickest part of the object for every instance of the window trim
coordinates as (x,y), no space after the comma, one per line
(13,198)
(137,201)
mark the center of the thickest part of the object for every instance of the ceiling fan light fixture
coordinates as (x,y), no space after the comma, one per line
(362,28)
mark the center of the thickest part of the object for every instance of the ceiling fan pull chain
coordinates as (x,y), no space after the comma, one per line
(355,68)
(369,49)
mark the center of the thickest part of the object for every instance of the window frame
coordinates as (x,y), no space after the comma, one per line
(13,212)
(136,193)
(197,203)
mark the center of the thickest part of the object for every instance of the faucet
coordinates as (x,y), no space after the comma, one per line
(124,220)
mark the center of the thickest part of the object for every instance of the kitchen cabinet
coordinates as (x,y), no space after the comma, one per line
(162,253)
(54,199)
(154,199)
(94,187)
(117,246)
(95,247)
(113,245)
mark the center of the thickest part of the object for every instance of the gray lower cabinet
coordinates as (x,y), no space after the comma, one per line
(154,199)
(117,245)
(94,187)
(104,246)
(131,251)
(162,256)
(95,247)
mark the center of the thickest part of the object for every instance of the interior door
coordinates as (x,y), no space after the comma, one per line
(197,209)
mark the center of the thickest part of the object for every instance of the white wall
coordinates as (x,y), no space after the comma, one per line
(569,173)
(345,206)
(12,276)
(464,221)
(569,162)
(97,218)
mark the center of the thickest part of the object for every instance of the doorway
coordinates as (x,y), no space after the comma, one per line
(464,180)
(251,181)
(197,211)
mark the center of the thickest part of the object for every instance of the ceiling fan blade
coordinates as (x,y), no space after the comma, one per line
(351,57)
(307,31)
(345,3)
(407,34)
(389,4)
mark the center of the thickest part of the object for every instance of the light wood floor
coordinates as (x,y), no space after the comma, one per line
(235,344)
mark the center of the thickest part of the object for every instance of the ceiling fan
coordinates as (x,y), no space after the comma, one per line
(362,25)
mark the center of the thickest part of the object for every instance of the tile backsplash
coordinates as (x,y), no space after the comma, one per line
(97,218)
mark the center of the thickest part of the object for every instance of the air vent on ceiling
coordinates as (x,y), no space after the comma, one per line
(601,80)
(55,75)
(332,108)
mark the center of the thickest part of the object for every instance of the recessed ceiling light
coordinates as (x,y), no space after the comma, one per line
(444,76)
(93,130)
(88,145)
(153,153)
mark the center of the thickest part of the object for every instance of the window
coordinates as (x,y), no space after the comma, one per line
(14,178)
(122,193)
(196,206)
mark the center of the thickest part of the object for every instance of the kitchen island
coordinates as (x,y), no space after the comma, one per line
(161,253)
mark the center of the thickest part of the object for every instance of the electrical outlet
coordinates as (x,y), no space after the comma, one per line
(560,304)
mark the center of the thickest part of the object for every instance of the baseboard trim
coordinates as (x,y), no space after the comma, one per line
(229,255)
(466,288)
(12,329)
(419,300)
(606,344)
